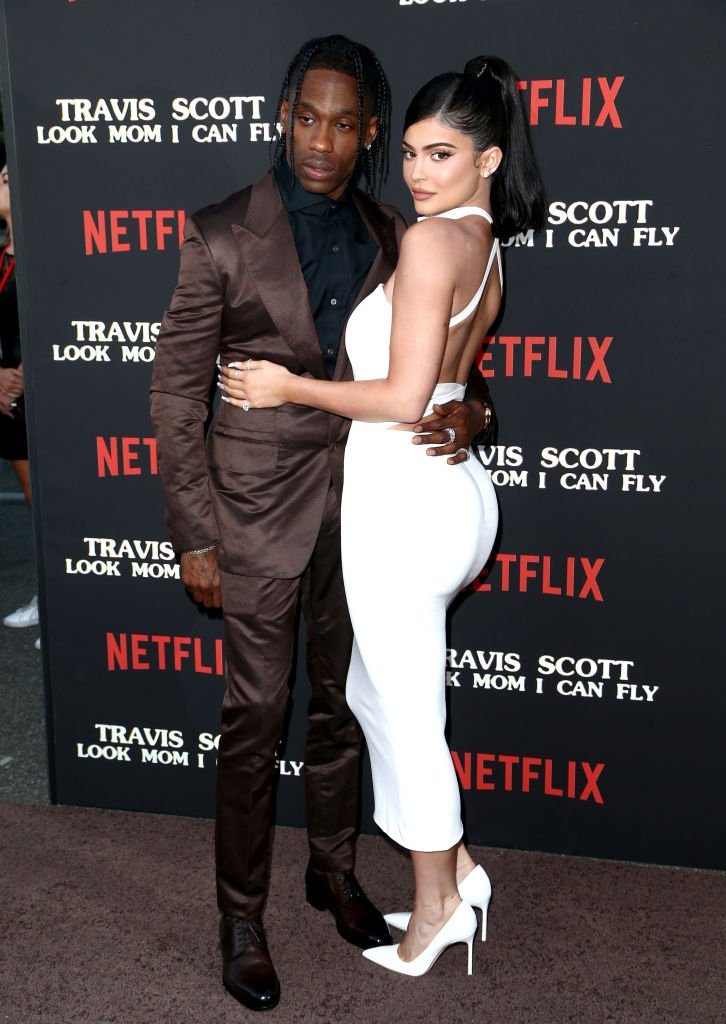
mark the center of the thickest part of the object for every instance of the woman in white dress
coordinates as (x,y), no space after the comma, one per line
(469,166)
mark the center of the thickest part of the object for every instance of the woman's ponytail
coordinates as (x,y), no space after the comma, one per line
(485,104)
(518,201)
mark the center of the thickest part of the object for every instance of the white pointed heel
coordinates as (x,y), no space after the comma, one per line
(461,927)
(475,889)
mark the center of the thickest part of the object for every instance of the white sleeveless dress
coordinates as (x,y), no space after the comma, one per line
(401,573)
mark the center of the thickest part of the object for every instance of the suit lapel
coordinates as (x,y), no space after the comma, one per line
(270,258)
(382,230)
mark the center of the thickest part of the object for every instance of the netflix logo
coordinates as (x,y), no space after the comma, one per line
(513,773)
(107,231)
(126,456)
(556,576)
(537,355)
(570,102)
(144,652)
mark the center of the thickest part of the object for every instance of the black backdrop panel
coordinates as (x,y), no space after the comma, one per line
(583,681)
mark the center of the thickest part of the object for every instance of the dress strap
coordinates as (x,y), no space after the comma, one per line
(456,214)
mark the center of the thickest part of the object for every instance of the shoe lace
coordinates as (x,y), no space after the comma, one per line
(246,933)
(349,886)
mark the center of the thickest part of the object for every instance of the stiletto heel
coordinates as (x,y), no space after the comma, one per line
(470,945)
(461,927)
(475,889)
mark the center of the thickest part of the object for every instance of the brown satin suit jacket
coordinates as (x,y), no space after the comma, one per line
(258,484)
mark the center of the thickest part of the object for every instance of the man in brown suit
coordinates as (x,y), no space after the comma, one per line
(272,273)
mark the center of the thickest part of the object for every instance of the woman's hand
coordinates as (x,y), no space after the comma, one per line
(11,382)
(255,384)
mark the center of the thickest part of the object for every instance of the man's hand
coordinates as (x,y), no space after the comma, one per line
(200,575)
(464,418)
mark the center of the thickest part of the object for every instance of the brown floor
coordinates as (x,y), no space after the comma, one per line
(108,918)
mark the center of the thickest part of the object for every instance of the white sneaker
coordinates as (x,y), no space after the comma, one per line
(25,616)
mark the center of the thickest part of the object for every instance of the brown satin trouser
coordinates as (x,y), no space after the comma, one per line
(259,625)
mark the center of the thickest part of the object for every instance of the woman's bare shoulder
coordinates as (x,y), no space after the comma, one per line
(436,242)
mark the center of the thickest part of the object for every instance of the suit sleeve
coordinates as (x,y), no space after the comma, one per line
(184,370)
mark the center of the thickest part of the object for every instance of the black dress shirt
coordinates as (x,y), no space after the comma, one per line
(335,253)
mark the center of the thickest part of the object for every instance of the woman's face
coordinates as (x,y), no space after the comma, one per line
(441,169)
(4,192)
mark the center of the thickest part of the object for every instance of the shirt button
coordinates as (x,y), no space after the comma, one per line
(330,352)
(336,248)
(333,302)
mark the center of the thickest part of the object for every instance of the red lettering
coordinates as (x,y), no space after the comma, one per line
(94,232)
(181,651)
(537,101)
(609,92)
(129,457)
(592,790)
(571,769)
(199,665)
(525,573)
(117,652)
(530,356)
(547,587)
(542,568)
(598,363)
(117,231)
(591,571)
(142,217)
(535,776)
(529,775)
(162,642)
(486,356)
(163,230)
(586,94)
(509,761)
(509,344)
(483,769)
(107,456)
(549,789)
(560,116)
(139,651)
(463,771)
(114,458)
(126,230)
(552,370)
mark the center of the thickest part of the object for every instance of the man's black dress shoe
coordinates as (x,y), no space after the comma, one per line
(356,918)
(247,970)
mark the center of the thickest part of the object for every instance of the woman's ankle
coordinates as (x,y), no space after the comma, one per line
(464,864)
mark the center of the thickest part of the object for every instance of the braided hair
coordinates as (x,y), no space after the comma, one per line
(337,53)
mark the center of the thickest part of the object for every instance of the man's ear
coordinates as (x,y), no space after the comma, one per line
(370,132)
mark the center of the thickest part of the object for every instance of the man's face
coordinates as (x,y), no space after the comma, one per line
(326,131)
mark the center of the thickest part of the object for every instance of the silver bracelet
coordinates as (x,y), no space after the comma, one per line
(201,551)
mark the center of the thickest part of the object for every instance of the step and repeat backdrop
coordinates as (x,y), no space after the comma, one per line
(584,671)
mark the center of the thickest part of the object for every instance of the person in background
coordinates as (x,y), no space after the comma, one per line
(13,437)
